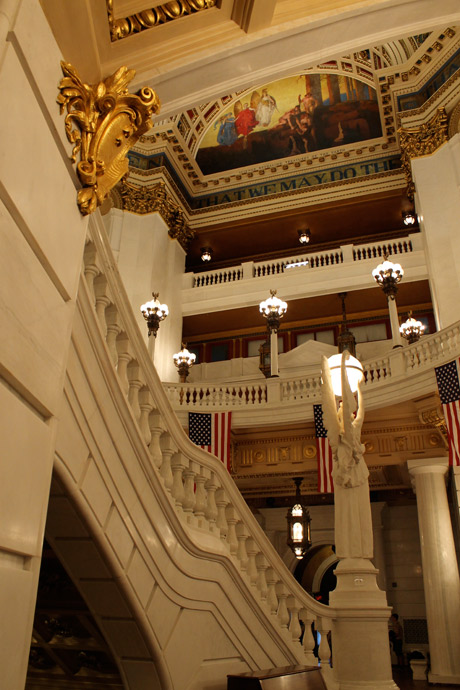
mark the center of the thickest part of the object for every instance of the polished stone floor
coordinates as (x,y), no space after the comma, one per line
(403,679)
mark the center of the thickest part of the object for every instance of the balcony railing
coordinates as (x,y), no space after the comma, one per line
(394,376)
(262,269)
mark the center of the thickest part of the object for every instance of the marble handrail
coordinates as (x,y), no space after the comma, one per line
(197,486)
(311,259)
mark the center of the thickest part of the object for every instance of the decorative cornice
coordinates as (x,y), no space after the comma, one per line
(155,199)
(421,141)
(150,17)
(103,122)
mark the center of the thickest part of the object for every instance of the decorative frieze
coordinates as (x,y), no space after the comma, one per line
(161,14)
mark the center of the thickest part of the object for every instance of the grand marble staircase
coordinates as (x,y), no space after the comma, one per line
(179,576)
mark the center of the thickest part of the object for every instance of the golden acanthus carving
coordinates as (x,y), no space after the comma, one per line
(140,21)
(103,122)
(155,199)
(421,141)
(434,418)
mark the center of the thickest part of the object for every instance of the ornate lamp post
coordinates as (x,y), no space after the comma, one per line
(388,275)
(154,313)
(411,329)
(273,309)
(183,361)
(298,524)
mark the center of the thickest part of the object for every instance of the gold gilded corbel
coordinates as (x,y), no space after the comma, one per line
(103,122)
(421,141)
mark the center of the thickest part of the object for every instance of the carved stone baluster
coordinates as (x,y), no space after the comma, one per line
(91,268)
(294,625)
(189,490)
(200,496)
(156,429)
(167,450)
(102,300)
(135,384)
(272,599)
(324,651)
(211,506)
(146,406)
(232,519)
(113,329)
(262,565)
(124,358)
(308,639)
(221,521)
(242,537)
(253,550)
(178,466)
(282,613)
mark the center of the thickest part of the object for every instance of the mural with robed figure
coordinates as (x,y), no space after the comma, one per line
(292,116)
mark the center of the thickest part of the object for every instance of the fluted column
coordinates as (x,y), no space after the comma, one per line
(440,570)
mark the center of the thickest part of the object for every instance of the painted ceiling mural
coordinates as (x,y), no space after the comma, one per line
(292,116)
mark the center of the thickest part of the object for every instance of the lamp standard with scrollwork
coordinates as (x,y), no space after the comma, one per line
(388,275)
(273,309)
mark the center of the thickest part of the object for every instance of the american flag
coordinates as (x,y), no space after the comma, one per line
(323,452)
(449,392)
(211,431)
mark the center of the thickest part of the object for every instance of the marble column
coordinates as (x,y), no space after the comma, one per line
(394,321)
(440,569)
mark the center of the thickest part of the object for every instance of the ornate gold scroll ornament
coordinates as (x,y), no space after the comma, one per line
(421,141)
(103,122)
(168,11)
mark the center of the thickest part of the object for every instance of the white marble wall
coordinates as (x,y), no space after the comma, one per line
(151,261)
(437,178)
(42,238)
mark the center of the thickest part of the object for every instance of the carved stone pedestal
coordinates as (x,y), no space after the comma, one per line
(360,647)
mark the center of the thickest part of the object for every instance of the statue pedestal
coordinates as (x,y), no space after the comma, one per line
(360,646)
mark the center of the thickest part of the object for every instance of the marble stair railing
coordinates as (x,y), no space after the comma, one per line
(201,491)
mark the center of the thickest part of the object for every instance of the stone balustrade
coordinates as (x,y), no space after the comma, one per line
(197,486)
(261,269)
(383,377)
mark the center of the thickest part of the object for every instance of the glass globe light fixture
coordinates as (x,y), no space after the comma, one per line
(273,309)
(412,329)
(409,218)
(353,368)
(183,361)
(388,275)
(206,254)
(298,524)
(304,236)
(154,313)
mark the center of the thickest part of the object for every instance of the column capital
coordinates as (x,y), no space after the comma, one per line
(428,466)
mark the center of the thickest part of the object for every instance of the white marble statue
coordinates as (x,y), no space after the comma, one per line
(353,519)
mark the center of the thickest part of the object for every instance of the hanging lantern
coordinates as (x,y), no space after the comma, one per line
(298,524)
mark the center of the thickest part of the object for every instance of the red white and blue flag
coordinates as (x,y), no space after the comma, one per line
(323,453)
(447,377)
(211,431)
